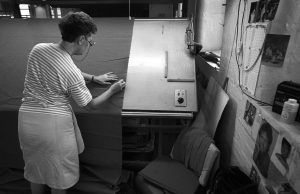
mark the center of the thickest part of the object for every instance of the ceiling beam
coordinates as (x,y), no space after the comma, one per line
(85,2)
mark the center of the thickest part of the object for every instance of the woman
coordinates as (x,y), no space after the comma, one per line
(261,151)
(48,132)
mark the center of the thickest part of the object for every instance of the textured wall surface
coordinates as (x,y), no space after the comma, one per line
(235,138)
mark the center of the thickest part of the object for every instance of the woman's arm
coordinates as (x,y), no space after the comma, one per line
(116,87)
(104,79)
(86,76)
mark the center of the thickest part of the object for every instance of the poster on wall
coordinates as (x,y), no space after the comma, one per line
(293,174)
(263,10)
(264,146)
(252,11)
(275,49)
(283,188)
(249,114)
(276,162)
(282,155)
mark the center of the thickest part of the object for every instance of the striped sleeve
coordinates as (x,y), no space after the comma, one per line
(80,93)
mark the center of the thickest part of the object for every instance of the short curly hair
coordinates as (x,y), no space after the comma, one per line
(75,24)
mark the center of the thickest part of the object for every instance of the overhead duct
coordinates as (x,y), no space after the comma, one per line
(209,23)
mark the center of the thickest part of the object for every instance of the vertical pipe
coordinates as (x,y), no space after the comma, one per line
(166,63)
(197,20)
(209,22)
(16,9)
(179,10)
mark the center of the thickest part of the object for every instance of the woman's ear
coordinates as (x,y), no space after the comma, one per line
(80,39)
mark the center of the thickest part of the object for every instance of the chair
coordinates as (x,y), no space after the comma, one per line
(194,157)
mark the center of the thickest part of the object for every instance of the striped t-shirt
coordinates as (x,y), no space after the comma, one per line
(51,79)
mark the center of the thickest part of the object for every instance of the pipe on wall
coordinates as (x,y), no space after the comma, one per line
(209,23)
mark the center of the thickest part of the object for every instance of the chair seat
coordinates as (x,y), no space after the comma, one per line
(170,175)
(147,187)
(194,157)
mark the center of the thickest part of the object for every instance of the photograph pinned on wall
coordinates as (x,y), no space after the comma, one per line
(271,7)
(250,112)
(281,156)
(286,188)
(276,182)
(283,188)
(293,175)
(285,158)
(263,11)
(252,12)
(275,177)
(264,146)
(275,49)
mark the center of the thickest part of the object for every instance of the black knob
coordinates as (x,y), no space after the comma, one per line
(180,100)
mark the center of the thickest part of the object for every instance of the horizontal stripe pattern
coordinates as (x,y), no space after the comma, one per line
(39,108)
(51,78)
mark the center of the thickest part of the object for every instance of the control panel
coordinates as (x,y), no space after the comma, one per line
(180,97)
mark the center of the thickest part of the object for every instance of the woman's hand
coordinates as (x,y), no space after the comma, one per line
(105,79)
(117,87)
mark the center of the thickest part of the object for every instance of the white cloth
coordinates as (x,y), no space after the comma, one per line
(48,143)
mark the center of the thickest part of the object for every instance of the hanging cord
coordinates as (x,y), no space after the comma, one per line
(235,39)
(116,59)
(260,52)
(110,60)
(129,14)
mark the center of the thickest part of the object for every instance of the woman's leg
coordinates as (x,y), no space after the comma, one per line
(58,191)
(37,188)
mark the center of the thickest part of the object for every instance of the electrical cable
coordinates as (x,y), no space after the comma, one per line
(262,103)
(243,16)
(86,54)
(259,54)
(116,59)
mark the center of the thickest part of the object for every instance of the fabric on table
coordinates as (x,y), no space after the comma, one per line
(101,129)
(14,182)
(102,159)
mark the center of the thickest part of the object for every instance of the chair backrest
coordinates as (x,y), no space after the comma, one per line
(212,104)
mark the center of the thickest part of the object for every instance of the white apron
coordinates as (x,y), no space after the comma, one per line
(50,144)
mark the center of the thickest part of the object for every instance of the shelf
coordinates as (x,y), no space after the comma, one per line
(290,131)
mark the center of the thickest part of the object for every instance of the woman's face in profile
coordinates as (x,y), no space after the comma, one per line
(85,43)
(263,142)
